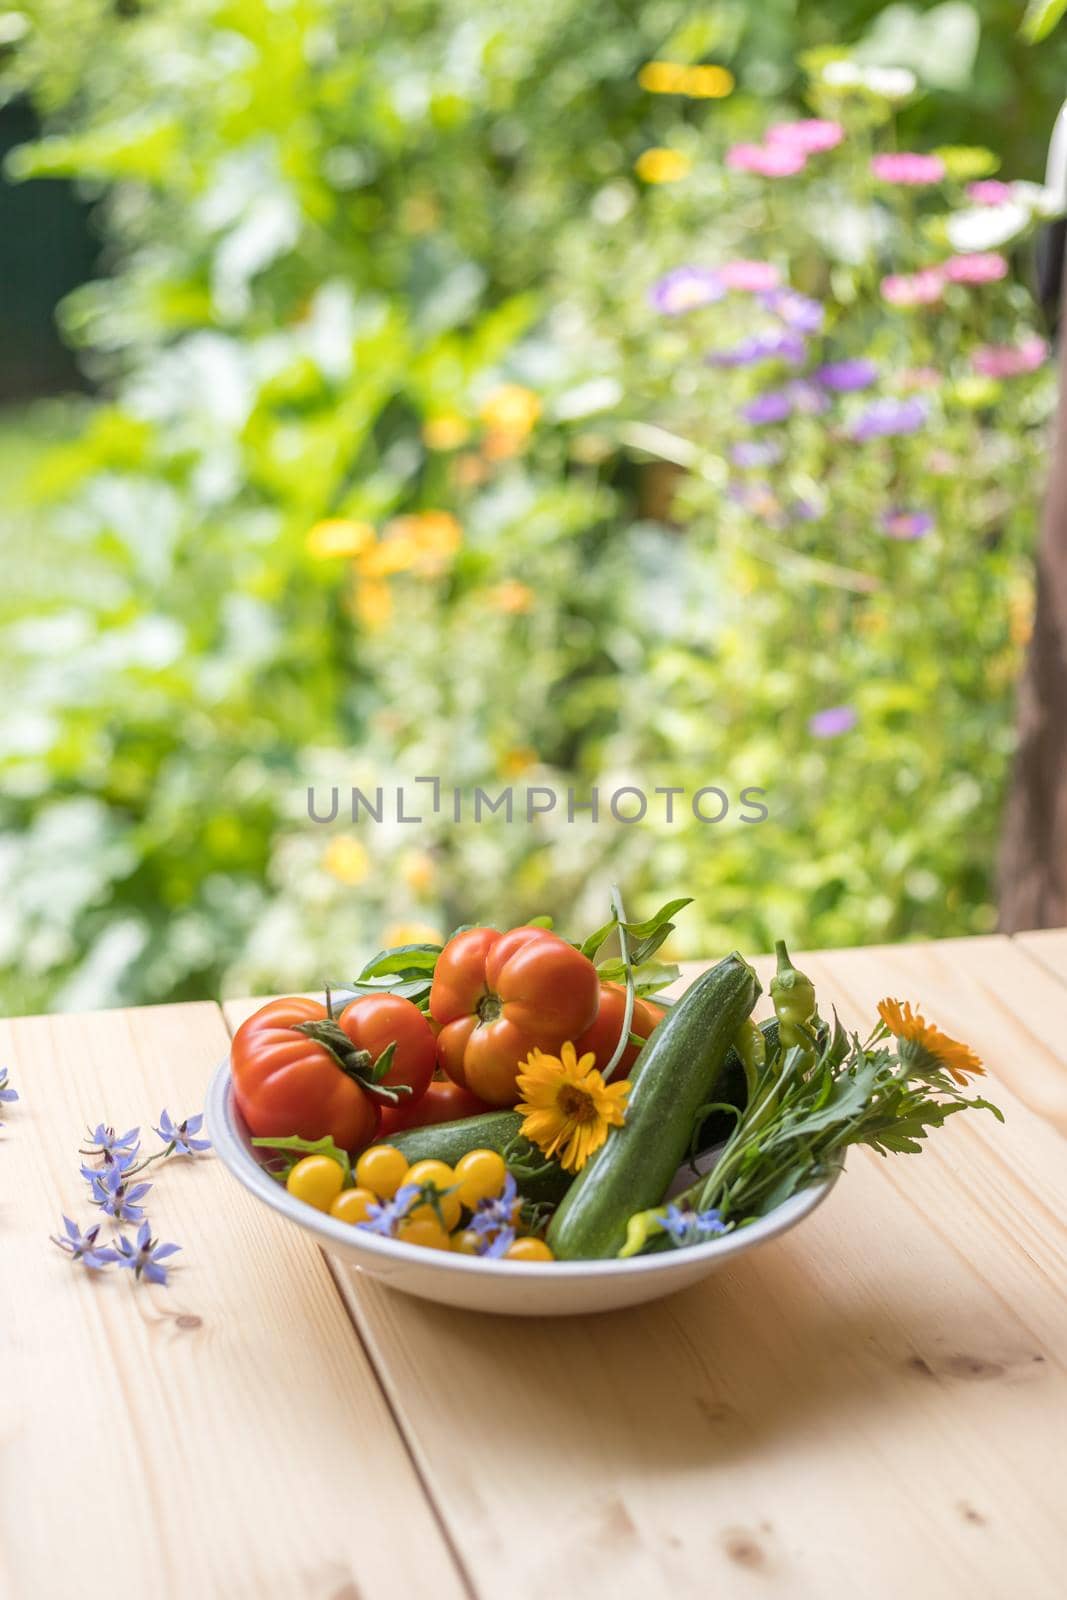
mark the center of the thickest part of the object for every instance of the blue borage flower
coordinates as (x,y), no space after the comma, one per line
(494,1220)
(82,1246)
(7,1096)
(686,1226)
(386,1218)
(111,1190)
(109,1146)
(143,1258)
(178,1136)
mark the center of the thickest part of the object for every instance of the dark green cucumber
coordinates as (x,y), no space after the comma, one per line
(679,1070)
(492,1130)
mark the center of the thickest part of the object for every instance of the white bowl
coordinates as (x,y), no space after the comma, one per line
(511,1288)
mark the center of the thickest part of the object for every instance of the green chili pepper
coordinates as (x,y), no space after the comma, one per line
(641,1228)
(751,1046)
(793,998)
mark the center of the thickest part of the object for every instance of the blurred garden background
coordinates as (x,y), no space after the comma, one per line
(560,393)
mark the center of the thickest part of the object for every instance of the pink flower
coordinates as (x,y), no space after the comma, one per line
(810,135)
(985,267)
(769,161)
(751,277)
(989,192)
(905,166)
(1010,360)
(913,289)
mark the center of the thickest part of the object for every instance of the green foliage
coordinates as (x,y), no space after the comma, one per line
(378,288)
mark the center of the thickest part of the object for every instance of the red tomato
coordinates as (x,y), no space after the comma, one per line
(444,1101)
(285,1082)
(603,1036)
(375,1021)
(497,996)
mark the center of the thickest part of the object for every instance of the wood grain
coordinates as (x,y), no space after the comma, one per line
(1047,946)
(873,1405)
(223,1436)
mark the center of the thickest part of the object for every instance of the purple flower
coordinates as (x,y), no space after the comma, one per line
(774,405)
(117,1197)
(832,722)
(111,1146)
(807,398)
(796,310)
(492,1214)
(803,511)
(886,417)
(901,524)
(82,1246)
(497,1244)
(7,1096)
(781,345)
(844,376)
(178,1136)
(756,453)
(143,1258)
(385,1218)
(685,289)
(687,1226)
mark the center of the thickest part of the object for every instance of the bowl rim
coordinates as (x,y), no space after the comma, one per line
(221,1114)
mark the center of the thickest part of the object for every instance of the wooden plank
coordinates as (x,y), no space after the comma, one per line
(870,1405)
(225,1435)
(1047,946)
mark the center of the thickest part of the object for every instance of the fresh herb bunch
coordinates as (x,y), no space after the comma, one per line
(808,1101)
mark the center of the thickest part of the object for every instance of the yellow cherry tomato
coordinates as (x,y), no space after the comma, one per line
(382,1169)
(353,1205)
(529,1249)
(316,1180)
(425,1232)
(450,1209)
(480,1175)
(465,1242)
(437,1172)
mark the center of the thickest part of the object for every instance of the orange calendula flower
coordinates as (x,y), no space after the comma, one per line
(910,1028)
(662,165)
(566,1105)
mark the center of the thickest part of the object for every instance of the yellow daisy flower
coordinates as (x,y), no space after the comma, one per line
(910,1027)
(567,1106)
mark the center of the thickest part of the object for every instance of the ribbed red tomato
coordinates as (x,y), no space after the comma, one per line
(286,1082)
(497,996)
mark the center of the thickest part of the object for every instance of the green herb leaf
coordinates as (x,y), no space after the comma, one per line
(309,1147)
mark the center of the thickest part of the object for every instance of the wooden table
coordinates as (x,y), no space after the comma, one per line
(875,1405)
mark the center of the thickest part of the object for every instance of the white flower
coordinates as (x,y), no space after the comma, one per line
(892,83)
(986,227)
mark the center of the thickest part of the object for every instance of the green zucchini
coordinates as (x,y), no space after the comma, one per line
(537,1178)
(679,1070)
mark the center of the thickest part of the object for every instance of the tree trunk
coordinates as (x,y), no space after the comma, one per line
(1033,856)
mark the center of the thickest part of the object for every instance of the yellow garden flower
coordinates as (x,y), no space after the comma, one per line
(374,603)
(346,859)
(431,537)
(700,83)
(511,597)
(418,870)
(911,1029)
(338,537)
(519,760)
(446,432)
(511,409)
(662,165)
(400,933)
(566,1105)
